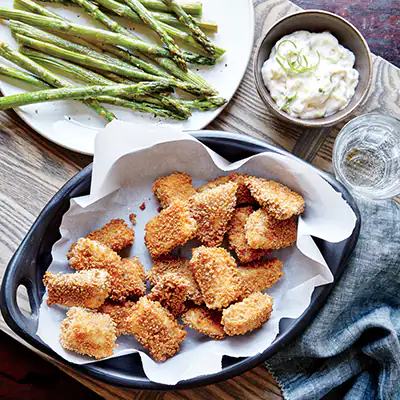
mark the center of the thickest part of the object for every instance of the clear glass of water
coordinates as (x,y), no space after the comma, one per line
(366,156)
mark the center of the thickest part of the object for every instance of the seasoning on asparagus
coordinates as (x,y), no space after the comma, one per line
(90,33)
(75,93)
(189,21)
(52,79)
(146,17)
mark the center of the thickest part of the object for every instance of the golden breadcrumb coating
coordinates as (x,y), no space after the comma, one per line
(116,235)
(277,199)
(171,292)
(84,288)
(260,275)
(177,186)
(87,254)
(127,279)
(237,236)
(156,329)
(265,232)
(204,321)
(243,193)
(173,227)
(216,274)
(120,314)
(249,314)
(87,332)
(180,267)
(213,209)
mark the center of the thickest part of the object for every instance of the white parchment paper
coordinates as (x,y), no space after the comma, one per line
(128,158)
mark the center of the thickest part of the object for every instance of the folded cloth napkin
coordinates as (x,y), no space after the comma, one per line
(351,350)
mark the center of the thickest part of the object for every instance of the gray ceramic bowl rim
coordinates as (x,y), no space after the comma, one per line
(316,122)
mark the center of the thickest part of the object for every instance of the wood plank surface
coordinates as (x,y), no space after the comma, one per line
(33,169)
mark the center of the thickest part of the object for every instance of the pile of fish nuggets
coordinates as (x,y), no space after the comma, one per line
(216,292)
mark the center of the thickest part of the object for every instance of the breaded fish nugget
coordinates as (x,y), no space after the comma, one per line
(84,288)
(116,235)
(249,314)
(237,236)
(265,232)
(177,186)
(204,321)
(213,209)
(171,292)
(156,329)
(180,267)
(216,274)
(173,227)
(120,314)
(243,193)
(277,199)
(128,279)
(88,332)
(260,275)
(87,254)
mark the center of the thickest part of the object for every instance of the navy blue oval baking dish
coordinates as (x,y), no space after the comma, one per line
(34,256)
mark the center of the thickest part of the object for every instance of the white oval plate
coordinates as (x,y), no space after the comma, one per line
(74,126)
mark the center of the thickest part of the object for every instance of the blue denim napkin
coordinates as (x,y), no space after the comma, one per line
(351,350)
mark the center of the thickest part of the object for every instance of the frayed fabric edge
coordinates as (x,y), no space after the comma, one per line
(282,387)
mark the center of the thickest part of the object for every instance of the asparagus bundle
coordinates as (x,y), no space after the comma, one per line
(33,7)
(50,78)
(76,93)
(189,21)
(116,64)
(95,34)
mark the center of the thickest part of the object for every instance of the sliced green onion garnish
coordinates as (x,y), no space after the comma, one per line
(305,69)
(281,43)
(281,64)
(288,100)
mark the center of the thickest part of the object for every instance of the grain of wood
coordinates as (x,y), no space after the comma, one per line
(33,169)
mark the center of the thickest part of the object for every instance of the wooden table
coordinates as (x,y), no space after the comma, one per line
(33,169)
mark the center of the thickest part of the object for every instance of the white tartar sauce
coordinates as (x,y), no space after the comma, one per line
(310,75)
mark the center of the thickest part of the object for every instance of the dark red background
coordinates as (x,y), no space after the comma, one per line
(378,21)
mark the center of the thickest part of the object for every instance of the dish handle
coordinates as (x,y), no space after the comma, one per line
(21,322)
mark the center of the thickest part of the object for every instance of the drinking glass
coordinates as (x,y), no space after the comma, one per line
(366,156)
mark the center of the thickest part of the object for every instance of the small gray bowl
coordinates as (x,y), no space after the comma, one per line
(316,21)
